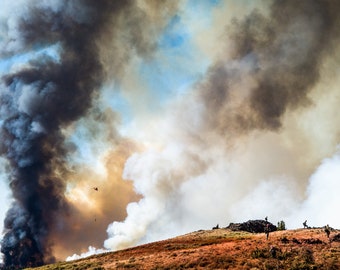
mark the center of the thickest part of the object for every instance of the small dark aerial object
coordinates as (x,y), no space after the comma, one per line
(95,188)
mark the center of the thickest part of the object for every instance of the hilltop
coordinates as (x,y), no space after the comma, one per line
(223,248)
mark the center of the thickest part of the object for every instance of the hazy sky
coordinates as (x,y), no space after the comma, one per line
(184,115)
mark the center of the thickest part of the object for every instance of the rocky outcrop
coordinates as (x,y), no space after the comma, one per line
(253,226)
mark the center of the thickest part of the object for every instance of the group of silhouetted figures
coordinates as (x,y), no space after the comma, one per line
(327,229)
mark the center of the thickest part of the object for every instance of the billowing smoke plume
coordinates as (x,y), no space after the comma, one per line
(216,110)
(227,145)
(43,97)
(37,101)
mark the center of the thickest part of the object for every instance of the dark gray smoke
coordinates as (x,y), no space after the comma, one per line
(94,40)
(272,64)
(36,103)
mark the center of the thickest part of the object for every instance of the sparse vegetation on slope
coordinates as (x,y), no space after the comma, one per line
(223,249)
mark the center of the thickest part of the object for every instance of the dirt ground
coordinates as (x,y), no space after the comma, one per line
(224,249)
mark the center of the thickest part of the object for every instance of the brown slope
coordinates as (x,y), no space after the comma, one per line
(224,249)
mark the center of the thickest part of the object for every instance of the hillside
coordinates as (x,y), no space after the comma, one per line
(223,249)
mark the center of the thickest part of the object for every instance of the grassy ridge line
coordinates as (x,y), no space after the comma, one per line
(221,248)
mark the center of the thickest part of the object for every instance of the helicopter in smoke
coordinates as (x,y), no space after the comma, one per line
(95,188)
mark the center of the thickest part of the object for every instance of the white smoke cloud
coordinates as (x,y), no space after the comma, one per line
(283,175)
(322,196)
(224,192)
(91,251)
(276,198)
(156,176)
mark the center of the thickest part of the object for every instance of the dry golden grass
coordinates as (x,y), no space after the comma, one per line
(222,249)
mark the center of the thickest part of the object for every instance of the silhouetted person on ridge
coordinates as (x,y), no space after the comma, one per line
(305,224)
(327,230)
(267,230)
